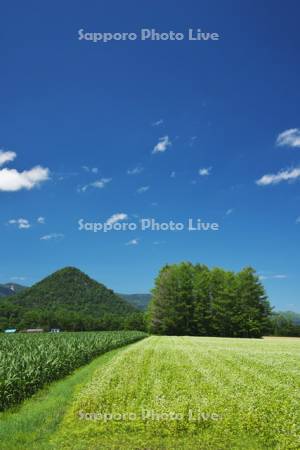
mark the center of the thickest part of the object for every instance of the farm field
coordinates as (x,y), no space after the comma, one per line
(28,361)
(171,393)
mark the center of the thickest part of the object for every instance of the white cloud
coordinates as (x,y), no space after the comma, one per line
(173,174)
(82,188)
(116,218)
(205,171)
(135,171)
(6,157)
(133,242)
(18,278)
(98,184)
(92,169)
(143,189)
(157,123)
(11,180)
(162,145)
(273,277)
(22,224)
(289,138)
(50,236)
(283,175)
(229,211)
(41,220)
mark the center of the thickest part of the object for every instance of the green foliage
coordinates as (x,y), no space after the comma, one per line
(193,300)
(67,299)
(285,324)
(28,361)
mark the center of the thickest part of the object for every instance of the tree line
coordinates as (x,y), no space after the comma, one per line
(187,299)
(12,316)
(285,324)
(195,300)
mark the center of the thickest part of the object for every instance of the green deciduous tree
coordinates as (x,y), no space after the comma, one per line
(194,300)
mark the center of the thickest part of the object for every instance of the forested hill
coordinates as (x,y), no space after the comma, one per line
(68,298)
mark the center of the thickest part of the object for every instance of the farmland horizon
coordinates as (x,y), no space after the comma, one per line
(121,292)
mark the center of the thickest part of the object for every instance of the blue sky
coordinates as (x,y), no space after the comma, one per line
(77,116)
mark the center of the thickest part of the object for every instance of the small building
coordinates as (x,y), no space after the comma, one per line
(34,330)
(55,330)
(10,330)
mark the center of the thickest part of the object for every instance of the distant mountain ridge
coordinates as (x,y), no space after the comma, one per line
(293,316)
(141,301)
(9,289)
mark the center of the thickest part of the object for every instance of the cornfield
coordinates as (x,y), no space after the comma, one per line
(27,362)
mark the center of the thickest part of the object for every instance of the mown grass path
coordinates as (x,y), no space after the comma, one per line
(32,424)
(189,393)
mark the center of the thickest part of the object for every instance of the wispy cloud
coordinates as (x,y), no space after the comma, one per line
(135,171)
(273,277)
(49,237)
(193,140)
(6,156)
(143,189)
(17,278)
(41,220)
(289,138)
(90,169)
(162,145)
(173,174)
(205,171)
(61,176)
(116,218)
(283,175)
(298,220)
(133,242)
(229,211)
(98,184)
(21,223)
(158,123)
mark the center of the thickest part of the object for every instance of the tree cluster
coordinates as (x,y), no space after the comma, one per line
(194,300)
